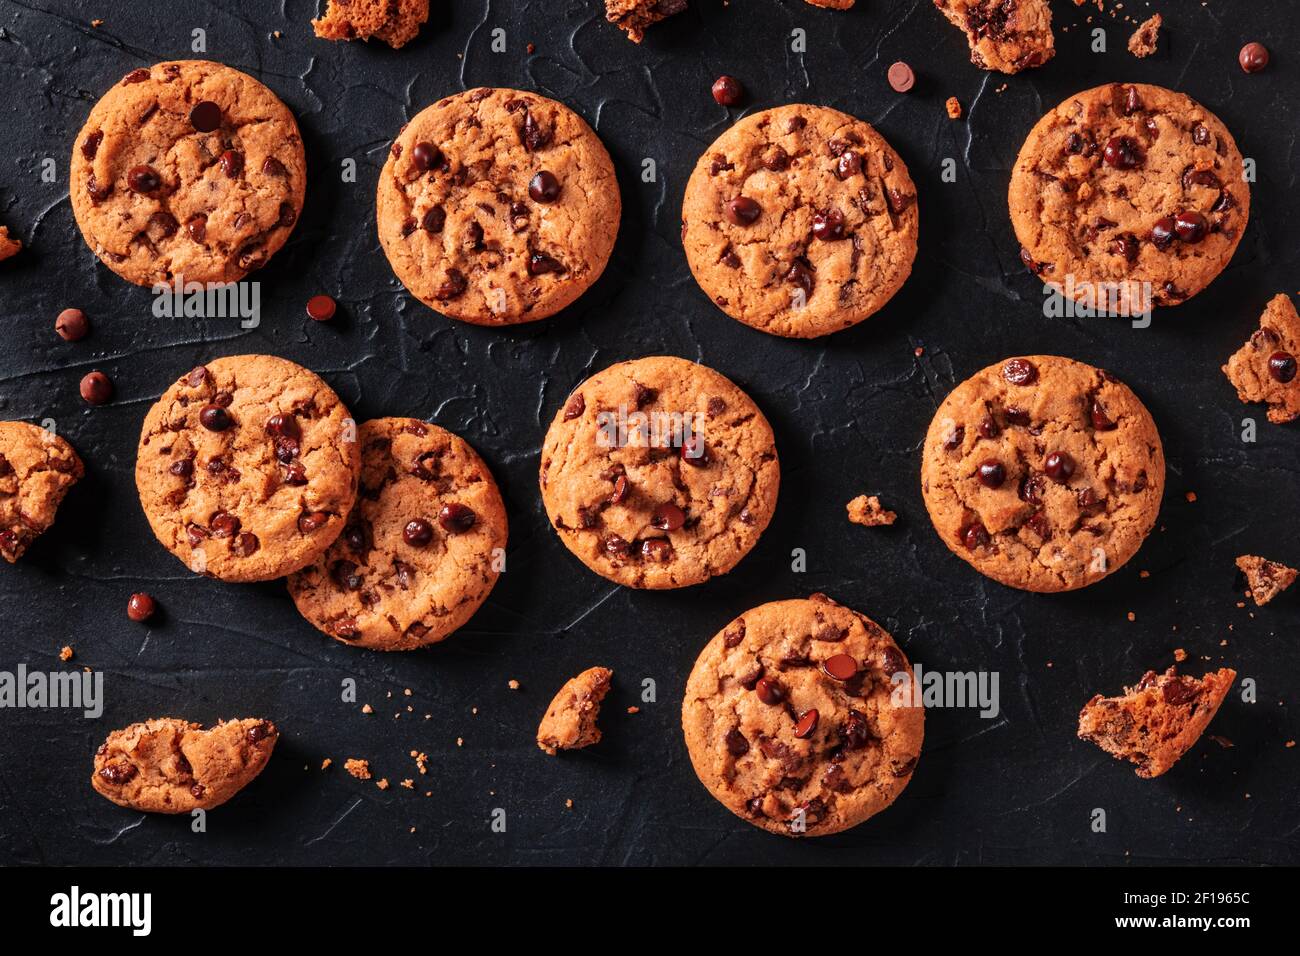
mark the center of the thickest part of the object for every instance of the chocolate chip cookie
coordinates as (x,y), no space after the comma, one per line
(793,719)
(396,22)
(421,549)
(168,765)
(187,169)
(1004,35)
(1043,473)
(37,469)
(800,221)
(497,207)
(570,721)
(1129,196)
(1265,579)
(1264,369)
(247,467)
(634,16)
(659,473)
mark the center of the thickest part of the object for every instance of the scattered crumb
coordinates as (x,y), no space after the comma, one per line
(634,710)
(382,783)
(866,510)
(421,761)
(1146,37)
(408,783)
(276,34)
(1049,664)
(513,685)
(358,768)
(918,351)
(412,829)
(325,764)
(568,804)
(531,48)
(953,106)
(1267,579)
(8,245)
(1144,574)
(1290,744)
(65,654)
(1001,89)
(367,709)
(96,23)
(460,741)
(1132,616)
(407,692)
(1180,655)
(1190,496)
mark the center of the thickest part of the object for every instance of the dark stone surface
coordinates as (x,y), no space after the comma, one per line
(849,414)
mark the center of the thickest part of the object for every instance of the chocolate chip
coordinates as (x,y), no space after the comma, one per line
(737,745)
(1132,102)
(668,517)
(215,418)
(1162,232)
(727,91)
(539,263)
(345,575)
(645,396)
(621,489)
(140,607)
(856,732)
(72,325)
(295,474)
(90,145)
(800,274)
(806,724)
(425,156)
(273,167)
(1125,245)
(1253,57)
(320,308)
(1178,691)
(992,474)
(657,549)
(616,547)
(734,634)
(453,285)
(954,438)
(244,545)
(1191,226)
(850,164)
(741,211)
(1282,366)
(136,76)
(97,192)
(197,227)
(1200,135)
(776,159)
(232,163)
(535,135)
(118,773)
(900,77)
(841,667)
(206,116)
(1059,466)
(973,535)
(1100,420)
(417,532)
(1020,371)
(574,407)
(96,388)
(769,691)
(283,426)
(694,451)
(312,521)
(544,187)
(456,518)
(898,201)
(828,226)
(182,467)
(143,179)
(1123,152)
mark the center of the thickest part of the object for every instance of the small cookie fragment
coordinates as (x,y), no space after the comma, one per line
(570,721)
(866,510)
(1157,721)
(1146,37)
(1264,369)
(1004,35)
(1267,579)
(168,765)
(357,767)
(396,22)
(633,16)
(953,106)
(37,468)
(8,246)
(832,4)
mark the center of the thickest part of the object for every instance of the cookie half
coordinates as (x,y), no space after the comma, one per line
(421,550)
(1264,369)
(187,169)
(37,469)
(792,719)
(1043,473)
(247,467)
(1129,196)
(659,473)
(800,221)
(497,207)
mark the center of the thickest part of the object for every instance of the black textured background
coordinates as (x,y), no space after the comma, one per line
(849,414)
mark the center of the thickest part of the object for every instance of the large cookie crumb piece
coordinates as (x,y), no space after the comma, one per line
(633,16)
(1004,35)
(677,496)
(570,721)
(167,765)
(1156,722)
(795,722)
(1267,579)
(396,22)
(421,549)
(8,247)
(187,168)
(1264,369)
(866,510)
(37,468)
(832,4)
(1146,37)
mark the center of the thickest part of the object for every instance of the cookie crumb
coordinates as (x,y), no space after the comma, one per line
(513,685)
(953,106)
(1146,37)
(382,783)
(633,16)
(8,247)
(1267,579)
(96,23)
(1132,616)
(65,654)
(460,741)
(407,692)
(325,764)
(367,709)
(357,767)
(531,48)
(1180,655)
(634,709)
(408,783)
(421,761)
(570,720)
(395,23)
(1190,496)
(866,510)
(1144,574)
(568,804)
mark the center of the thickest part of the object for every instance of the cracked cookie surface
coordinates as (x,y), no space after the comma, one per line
(420,551)
(800,221)
(1043,473)
(396,22)
(497,207)
(187,168)
(1264,369)
(1131,194)
(791,719)
(247,467)
(168,765)
(1004,35)
(680,495)
(37,469)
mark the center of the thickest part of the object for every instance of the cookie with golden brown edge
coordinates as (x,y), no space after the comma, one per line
(792,719)
(497,207)
(37,469)
(659,473)
(1264,369)
(1129,195)
(570,721)
(800,221)
(633,17)
(1043,473)
(168,765)
(1265,579)
(187,168)
(247,467)
(1004,35)
(420,551)
(396,22)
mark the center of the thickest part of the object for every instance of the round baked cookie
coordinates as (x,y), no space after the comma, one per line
(800,221)
(1129,195)
(247,467)
(792,721)
(187,169)
(1043,473)
(497,207)
(420,551)
(659,473)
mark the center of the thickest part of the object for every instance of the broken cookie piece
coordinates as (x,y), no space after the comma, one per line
(1004,35)
(396,22)
(8,247)
(1157,721)
(1266,579)
(1146,37)
(1264,369)
(832,4)
(37,468)
(867,510)
(633,16)
(168,765)
(570,721)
